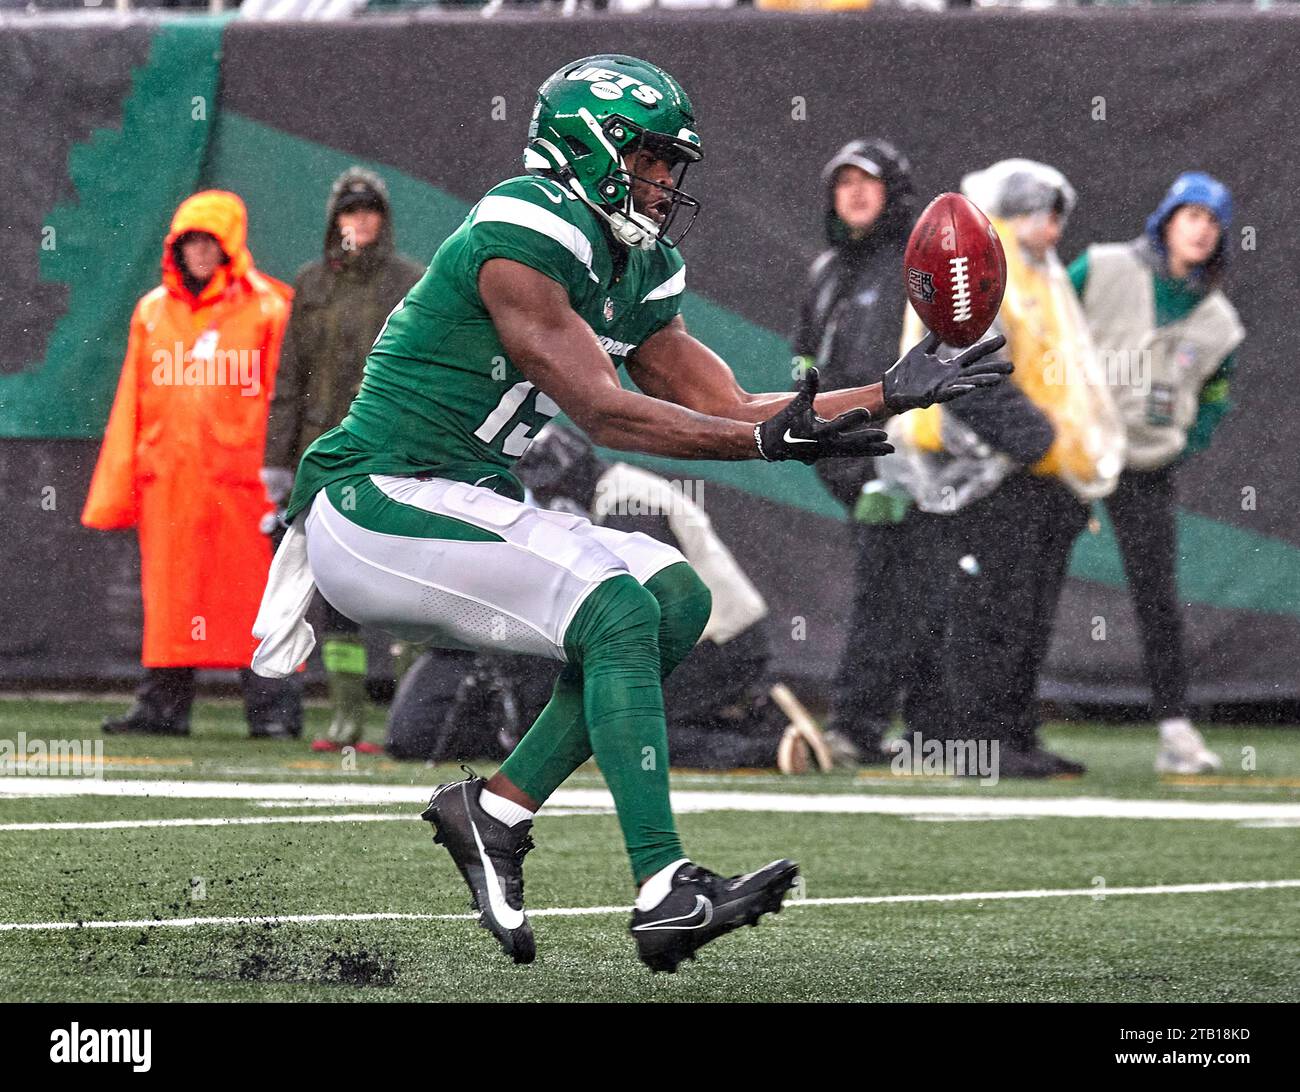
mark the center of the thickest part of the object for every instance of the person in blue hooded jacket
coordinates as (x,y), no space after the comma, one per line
(1167,336)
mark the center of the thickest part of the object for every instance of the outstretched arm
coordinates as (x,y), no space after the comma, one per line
(558,353)
(674,366)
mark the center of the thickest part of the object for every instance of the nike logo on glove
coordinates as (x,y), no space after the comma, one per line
(847,434)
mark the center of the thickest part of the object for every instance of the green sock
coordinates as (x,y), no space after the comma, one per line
(345,675)
(559,741)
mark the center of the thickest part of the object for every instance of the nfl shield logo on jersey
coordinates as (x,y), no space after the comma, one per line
(609,309)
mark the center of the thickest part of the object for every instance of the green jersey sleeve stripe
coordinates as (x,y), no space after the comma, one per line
(499,209)
(673,286)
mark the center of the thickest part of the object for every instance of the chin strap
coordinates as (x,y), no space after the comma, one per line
(631,228)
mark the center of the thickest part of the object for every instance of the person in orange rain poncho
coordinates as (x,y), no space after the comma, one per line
(180,463)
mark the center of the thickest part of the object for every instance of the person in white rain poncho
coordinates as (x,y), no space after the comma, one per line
(1014,470)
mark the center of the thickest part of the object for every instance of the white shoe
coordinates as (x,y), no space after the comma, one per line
(1183,751)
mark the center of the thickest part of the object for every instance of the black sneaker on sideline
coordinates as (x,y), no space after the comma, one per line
(490,856)
(1059,764)
(701,906)
(162,704)
(139,720)
(1036,763)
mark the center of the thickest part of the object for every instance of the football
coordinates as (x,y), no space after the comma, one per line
(954,271)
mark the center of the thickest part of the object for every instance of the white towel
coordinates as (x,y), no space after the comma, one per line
(281,623)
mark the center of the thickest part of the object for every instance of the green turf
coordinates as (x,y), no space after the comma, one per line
(1229,946)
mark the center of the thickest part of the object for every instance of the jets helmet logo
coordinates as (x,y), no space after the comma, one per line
(611,85)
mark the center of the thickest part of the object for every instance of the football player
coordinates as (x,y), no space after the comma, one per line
(409,518)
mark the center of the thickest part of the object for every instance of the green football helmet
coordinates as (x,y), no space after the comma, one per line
(591,117)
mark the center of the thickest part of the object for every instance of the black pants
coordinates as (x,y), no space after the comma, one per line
(896,626)
(331,623)
(167,694)
(1012,550)
(1142,512)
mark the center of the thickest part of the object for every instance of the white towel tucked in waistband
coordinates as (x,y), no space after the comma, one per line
(282,618)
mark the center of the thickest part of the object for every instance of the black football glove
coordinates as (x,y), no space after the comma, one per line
(921,379)
(796,432)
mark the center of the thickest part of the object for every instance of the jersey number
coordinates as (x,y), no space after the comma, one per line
(522,434)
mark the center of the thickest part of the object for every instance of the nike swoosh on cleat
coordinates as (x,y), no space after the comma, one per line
(507,915)
(702,907)
(795,439)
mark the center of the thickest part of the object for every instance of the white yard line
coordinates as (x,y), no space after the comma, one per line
(965,806)
(257,820)
(585,911)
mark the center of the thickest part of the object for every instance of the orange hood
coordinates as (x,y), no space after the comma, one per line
(223,216)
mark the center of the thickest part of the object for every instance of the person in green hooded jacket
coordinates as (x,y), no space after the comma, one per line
(340,303)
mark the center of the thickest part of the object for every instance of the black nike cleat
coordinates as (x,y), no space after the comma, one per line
(490,856)
(701,906)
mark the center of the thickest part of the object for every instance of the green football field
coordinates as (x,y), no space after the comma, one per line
(218,868)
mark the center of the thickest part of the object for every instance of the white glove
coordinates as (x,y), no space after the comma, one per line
(278,482)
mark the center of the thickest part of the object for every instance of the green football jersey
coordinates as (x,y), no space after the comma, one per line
(440,394)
